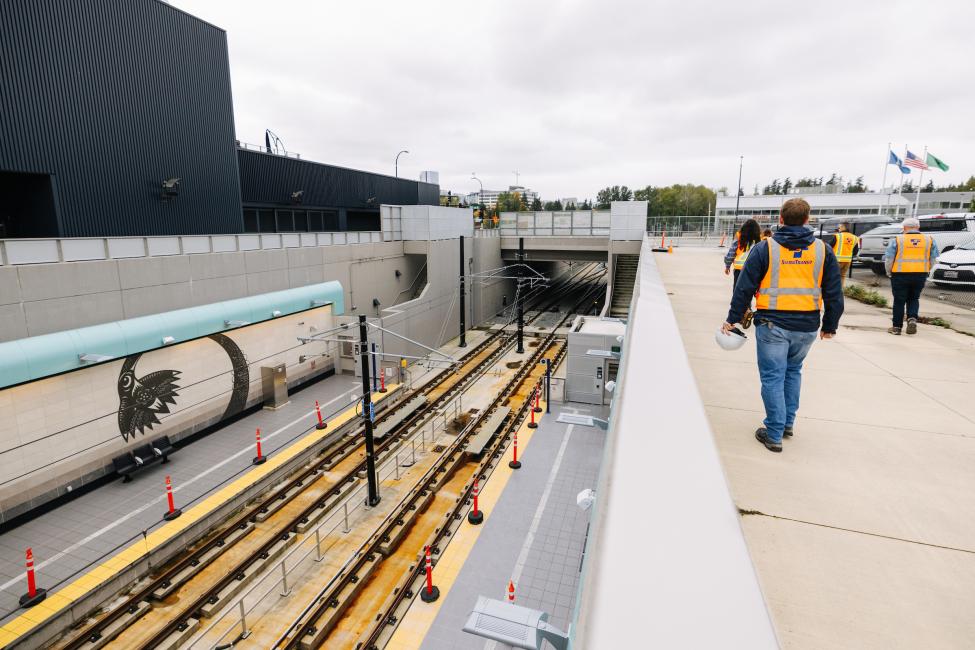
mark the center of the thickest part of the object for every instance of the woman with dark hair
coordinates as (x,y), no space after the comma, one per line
(749,235)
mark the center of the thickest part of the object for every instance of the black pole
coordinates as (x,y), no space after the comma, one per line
(463,325)
(741,161)
(521,297)
(366,412)
(548,386)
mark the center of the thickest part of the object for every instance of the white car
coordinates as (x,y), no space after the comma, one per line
(947,230)
(955,267)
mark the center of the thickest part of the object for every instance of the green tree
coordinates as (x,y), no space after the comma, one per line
(536,203)
(607,195)
(586,205)
(786,185)
(553,205)
(509,202)
(929,187)
(856,187)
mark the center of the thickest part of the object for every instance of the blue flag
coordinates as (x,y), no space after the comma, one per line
(894,160)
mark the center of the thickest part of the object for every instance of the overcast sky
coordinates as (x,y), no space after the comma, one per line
(579,95)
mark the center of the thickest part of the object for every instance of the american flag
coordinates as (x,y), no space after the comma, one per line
(913,161)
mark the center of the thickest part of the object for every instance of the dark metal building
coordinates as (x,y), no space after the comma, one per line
(282,194)
(102,101)
(116,118)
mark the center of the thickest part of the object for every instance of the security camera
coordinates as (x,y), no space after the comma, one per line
(610,385)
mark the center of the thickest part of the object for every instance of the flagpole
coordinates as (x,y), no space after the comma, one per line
(917,196)
(883,186)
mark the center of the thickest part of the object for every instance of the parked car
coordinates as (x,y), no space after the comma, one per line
(858,225)
(956,267)
(948,231)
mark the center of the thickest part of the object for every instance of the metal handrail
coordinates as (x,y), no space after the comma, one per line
(410,288)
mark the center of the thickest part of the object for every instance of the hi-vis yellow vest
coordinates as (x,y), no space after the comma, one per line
(794,278)
(913,254)
(740,258)
(843,246)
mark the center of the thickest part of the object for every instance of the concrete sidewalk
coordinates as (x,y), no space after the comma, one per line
(862,530)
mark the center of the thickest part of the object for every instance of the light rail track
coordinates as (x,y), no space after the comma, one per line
(297,502)
(389,562)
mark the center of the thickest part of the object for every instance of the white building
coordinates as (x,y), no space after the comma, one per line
(826,206)
(490,197)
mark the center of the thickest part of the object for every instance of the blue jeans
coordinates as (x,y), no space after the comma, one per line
(780,356)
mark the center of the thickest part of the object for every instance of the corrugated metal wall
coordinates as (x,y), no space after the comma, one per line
(112,97)
(269,180)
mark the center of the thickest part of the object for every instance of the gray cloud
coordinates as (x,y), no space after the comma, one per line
(579,95)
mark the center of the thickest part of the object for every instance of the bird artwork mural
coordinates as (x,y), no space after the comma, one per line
(141,399)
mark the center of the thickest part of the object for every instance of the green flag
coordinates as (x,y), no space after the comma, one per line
(935,162)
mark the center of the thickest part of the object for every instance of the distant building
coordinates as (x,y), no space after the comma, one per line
(430,177)
(490,197)
(829,205)
(569,201)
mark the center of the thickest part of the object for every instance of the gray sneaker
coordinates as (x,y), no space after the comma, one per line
(912,326)
(787,432)
(896,331)
(762,436)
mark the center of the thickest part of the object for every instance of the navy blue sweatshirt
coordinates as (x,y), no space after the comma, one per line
(792,237)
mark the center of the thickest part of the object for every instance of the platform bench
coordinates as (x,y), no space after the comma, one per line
(143,456)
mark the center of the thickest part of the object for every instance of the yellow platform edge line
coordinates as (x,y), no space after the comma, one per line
(31,618)
(418,620)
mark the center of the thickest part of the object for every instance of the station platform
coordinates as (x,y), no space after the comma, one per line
(74,542)
(860,530)
(533,534)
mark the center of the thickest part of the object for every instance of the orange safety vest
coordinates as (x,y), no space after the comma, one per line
(793,281)
(913,254)
(740,258)
(843,246)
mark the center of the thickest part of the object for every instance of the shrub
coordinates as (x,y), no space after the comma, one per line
(867,296)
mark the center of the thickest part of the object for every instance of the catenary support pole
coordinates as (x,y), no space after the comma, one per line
(463,325)
(520,298)
(548,386)
(366,412)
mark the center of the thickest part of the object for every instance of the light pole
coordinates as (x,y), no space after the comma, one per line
(517,178)
(741,161)
(397,161)
(480,195)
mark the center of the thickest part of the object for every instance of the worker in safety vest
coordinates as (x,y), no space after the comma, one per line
(908,259)
(748,236)
(845,244)
(794,275)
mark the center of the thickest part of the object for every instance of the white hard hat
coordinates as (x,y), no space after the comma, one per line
(732,340)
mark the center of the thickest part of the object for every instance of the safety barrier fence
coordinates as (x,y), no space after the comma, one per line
(46,251)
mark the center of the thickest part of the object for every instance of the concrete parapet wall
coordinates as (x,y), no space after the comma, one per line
(662,493)
(49,297)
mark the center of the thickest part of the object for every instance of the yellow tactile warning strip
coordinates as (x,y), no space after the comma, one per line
(54,604)
(415,624)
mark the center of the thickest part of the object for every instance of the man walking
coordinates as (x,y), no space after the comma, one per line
(794,275)
(844,247)
(908,259)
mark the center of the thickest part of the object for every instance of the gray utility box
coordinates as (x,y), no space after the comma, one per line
(274,381)
(593,359)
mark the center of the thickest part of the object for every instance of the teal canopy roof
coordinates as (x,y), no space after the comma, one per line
(49,354)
